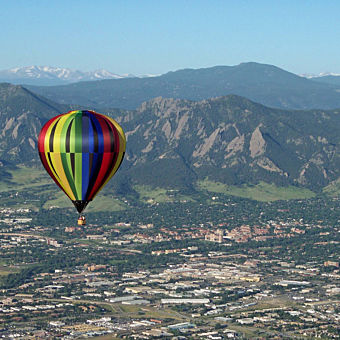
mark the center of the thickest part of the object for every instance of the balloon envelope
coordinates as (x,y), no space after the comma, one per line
(81,151)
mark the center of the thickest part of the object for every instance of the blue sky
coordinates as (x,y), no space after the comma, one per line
(153,37)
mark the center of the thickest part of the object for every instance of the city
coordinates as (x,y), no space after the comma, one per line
(213,278)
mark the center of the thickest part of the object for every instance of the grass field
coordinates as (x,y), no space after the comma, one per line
(150,195)
(33,179)
(30,179)
(332,189)
(24,177)
(261,192)
(147,312)
(150,312)
(100,203)
(5,270)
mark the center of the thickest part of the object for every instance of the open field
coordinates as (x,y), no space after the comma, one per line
(119,310)
(107,337)
(333,189)
(6,270)
(30,179)
(263,192)
(106,203)
(150,195)
(44,193)
(24,177)
(100,203)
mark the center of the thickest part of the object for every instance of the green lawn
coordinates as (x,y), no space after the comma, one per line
(261,192)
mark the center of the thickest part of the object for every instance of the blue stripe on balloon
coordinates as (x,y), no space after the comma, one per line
(85,174)
(91,136)
(96,164)
(85,132)
(99,134)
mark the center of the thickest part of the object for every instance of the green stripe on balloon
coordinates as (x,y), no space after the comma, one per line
(78,174)
(78,132)
(65,157)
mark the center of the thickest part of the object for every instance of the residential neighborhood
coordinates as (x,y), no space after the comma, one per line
(138,279)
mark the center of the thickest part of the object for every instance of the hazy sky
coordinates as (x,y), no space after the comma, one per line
(144,36)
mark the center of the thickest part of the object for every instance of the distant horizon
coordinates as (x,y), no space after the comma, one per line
(305,74)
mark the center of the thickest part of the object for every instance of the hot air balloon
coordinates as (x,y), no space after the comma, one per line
(81,151)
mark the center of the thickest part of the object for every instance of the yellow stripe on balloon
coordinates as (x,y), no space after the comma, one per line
(51,165)
(122,139)
(48,152)
(57,133)
(58,166)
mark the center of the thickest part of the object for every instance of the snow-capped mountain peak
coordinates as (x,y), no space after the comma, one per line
(47,75)
(322,74)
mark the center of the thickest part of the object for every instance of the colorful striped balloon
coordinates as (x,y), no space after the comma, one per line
(81,151)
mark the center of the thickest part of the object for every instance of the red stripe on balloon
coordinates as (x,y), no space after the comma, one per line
(106,133)
(116,137)
(104,168)
(111,166)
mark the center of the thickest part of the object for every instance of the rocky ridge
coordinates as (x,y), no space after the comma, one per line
(174,142)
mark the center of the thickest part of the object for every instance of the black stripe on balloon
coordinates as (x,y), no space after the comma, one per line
(68,136)
(112,137)
(114,159)
(51,164)
(52,136)
(110,167)
(94,172)
(72,156)
(121,160)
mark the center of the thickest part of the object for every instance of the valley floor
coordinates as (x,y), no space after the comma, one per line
(204,266)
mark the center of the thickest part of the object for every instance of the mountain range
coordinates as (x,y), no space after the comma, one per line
(175,143)
(265,84)
(328,79)
(46,75)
